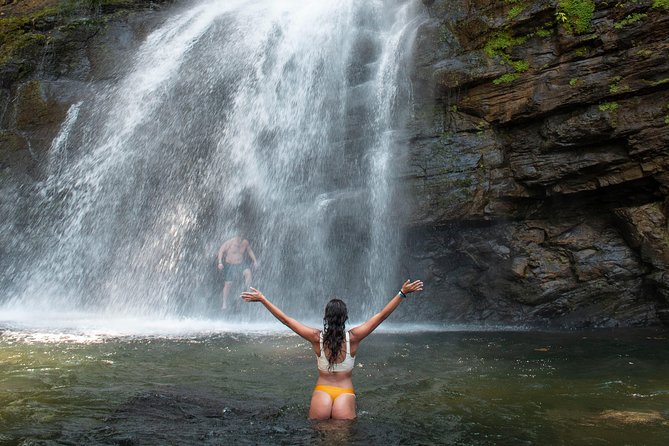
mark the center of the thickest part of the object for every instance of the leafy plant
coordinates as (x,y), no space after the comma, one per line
(611,108)
(608,107)
(615,86)
(575,15)
(581,51)
(630,19)
(501,43)
(506,78)
(500,46)
(480,127)
(520,65)
(515,11)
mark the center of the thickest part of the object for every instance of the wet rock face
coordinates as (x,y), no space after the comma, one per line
(49,52)
(539,161)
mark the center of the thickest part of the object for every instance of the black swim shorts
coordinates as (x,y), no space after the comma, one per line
(234,271)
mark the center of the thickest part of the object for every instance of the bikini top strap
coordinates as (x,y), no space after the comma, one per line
(321,336)
(348,345)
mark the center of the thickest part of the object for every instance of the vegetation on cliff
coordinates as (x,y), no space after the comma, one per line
(575,15)
(28,27)
(44,43)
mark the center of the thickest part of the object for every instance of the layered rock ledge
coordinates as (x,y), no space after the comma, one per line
(539,155)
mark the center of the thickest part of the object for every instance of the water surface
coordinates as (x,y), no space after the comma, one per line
(427,387)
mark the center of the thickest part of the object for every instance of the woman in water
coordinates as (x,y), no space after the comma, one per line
(335,350)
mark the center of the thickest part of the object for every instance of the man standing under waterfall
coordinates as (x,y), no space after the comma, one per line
(234,252)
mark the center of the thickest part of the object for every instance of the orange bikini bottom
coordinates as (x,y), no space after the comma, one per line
(334,392)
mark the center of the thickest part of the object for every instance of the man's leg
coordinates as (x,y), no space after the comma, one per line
(226,292)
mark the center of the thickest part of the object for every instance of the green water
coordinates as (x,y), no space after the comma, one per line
(465,388)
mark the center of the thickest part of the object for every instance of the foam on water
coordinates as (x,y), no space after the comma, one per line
(77,327)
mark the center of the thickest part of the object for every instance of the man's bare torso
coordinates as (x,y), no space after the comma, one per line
(235,250)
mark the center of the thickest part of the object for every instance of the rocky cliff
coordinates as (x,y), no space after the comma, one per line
(50,52)
(539,149)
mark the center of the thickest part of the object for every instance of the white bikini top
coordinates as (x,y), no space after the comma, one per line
(345,366)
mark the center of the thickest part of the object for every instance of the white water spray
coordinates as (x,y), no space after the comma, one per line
(278,119)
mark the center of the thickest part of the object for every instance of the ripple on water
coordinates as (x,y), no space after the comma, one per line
(484,388)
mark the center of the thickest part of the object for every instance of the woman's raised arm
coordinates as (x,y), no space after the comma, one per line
(310,334)
(362,331)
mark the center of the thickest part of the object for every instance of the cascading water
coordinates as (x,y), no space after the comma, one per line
(276,119)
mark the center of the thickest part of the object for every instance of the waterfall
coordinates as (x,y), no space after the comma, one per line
(58,150)
(279,120)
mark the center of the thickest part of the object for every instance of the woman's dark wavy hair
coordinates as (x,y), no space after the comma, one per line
(334,326)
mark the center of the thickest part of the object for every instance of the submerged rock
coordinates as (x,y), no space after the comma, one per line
(631,417)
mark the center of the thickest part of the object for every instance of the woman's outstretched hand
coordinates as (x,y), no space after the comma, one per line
(410,287)
(252,296)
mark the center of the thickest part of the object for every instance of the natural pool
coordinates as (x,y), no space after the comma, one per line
(414,387)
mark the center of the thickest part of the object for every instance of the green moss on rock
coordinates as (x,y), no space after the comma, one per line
(611,108)
(615,86)
(544,32)
(629,20)
(506,78)
(22,42)
(608,107)
(578,14)
(520,65)
(22,34)
(661,4)
(581,51)
(500,45)
(515,11)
